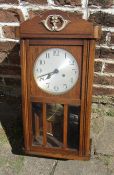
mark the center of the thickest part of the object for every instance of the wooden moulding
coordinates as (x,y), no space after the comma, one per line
(77,28)
(97,32)
(70,156)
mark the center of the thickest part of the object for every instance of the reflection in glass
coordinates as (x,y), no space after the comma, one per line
(73,127)
(37,123)
(55,125)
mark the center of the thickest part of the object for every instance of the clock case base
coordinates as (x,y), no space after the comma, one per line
(81,34)
(58,156)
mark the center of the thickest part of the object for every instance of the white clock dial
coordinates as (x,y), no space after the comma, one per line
(56,71)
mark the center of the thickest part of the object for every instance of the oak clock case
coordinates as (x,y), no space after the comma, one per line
(57,72)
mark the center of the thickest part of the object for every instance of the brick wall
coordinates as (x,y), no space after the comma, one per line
(13,12)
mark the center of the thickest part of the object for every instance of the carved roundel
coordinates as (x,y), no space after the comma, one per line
(55,23)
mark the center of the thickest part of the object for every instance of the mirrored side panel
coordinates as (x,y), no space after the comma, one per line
(73,127)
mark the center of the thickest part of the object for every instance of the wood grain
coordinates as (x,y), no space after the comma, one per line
(65,127)
(78,38)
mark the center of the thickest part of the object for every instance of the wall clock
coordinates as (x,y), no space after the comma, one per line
(57,59)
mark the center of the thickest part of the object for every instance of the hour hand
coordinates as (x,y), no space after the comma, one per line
(49,74)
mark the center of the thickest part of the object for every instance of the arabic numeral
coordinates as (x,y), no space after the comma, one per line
(65,55)
(56,53)
(47,55)
(56,88)
(39,70)
(42,62)
(65,86)
(47,84)
(71,62)
(74,70)
(71,80)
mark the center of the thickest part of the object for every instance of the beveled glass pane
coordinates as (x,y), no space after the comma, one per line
(73,127)
(55,114)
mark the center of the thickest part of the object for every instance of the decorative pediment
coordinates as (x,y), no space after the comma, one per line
(56,23)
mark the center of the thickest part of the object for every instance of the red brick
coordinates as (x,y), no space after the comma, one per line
(7,46)
(36,1)
(103,3)
(12,82)
(2,83)
(106,53)
(16,100)
(34,13)
(3,57)
(102,18)
(97,53)
(14,58)
(78,14)
(106,38)
(7,92)
(97,66)
(11,15)
(10,52)
(103,80)
(9,70)
(102,39)
(109,68)
(102,91)
(9,32)
(103,99)
(68,2)
(112,38)
(9,1)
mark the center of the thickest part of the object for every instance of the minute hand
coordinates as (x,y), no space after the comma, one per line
(49,74)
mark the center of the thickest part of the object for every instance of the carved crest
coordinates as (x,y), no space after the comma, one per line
(55,23)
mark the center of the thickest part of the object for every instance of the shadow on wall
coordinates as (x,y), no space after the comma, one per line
(10,81)
(11,121)
(10,96)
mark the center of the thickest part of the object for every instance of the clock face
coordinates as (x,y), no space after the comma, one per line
(55,71)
